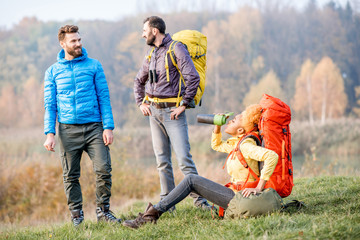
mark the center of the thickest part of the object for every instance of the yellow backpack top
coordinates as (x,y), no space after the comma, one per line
(196,44)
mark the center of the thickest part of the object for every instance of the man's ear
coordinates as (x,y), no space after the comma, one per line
(155,31)
(62,44)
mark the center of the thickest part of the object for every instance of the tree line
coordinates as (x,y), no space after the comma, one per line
(308,58)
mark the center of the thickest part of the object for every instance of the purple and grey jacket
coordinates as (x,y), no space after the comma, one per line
(162,88)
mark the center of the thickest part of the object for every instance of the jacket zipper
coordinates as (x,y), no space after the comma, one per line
(74,85)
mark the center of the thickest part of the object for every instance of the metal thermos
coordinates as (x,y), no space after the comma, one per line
(216,119)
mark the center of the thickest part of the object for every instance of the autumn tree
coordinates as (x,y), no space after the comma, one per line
(356,109)
(30,104)
(233,44)
(129,54)
(329,98)
(269,84)
(242,46)
(302,101)
(215,38)
(282,39)
(8,106)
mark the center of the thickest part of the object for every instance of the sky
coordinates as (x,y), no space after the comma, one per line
(12,11)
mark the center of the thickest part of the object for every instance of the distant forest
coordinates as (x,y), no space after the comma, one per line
(308,58)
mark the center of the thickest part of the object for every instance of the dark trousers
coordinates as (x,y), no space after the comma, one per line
(74,139)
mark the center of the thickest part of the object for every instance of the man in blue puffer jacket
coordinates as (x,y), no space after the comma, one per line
(76,92)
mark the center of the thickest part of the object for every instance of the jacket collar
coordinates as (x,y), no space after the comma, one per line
(61,56)
(166,40)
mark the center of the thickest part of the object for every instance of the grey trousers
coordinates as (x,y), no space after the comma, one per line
(74,139)
(212,191)
(166,133)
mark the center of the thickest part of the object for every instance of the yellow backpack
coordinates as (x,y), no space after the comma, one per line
(196,44)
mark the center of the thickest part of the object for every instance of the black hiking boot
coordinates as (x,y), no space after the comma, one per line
(151,215)
(104,214)
(77,217)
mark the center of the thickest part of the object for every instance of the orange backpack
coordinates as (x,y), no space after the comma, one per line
(274,135)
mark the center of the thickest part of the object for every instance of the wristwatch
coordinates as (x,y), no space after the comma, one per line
(183,104)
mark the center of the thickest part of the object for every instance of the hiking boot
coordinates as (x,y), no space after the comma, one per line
(104,214)
(150,215)
(77,217)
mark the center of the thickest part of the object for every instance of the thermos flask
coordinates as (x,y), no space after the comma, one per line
(216,119)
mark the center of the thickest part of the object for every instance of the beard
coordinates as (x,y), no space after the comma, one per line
(150,40)
(74,52)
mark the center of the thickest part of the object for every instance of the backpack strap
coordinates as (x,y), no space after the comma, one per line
(283,159)
(222,210)
(171,53)
(294,203)
(241,158)
(252,135)
(148,57)
(259,142)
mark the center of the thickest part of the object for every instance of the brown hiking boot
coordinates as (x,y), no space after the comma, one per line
(150,215)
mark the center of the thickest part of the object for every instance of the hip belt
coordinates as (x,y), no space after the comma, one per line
(163,102)
(160,105)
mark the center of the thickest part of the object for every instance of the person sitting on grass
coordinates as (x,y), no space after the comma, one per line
(242,124)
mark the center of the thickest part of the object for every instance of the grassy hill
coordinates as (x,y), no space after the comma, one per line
(332,212)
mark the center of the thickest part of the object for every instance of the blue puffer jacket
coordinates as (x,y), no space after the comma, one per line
(76,92)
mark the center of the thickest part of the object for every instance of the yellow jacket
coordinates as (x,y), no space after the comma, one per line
(252,155)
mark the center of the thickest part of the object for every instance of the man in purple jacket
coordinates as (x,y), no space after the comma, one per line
(167,121)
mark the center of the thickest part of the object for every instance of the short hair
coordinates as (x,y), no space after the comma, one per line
(156,22)
(251,117)
(67,29)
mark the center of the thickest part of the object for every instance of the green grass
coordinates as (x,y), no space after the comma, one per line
(332,212)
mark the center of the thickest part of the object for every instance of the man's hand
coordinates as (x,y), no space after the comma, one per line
(145,109)
(176,112)
(108,137)
(50,142)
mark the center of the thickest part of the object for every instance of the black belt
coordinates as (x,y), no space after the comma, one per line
(163,104)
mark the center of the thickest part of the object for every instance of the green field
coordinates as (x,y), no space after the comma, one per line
(332,212)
